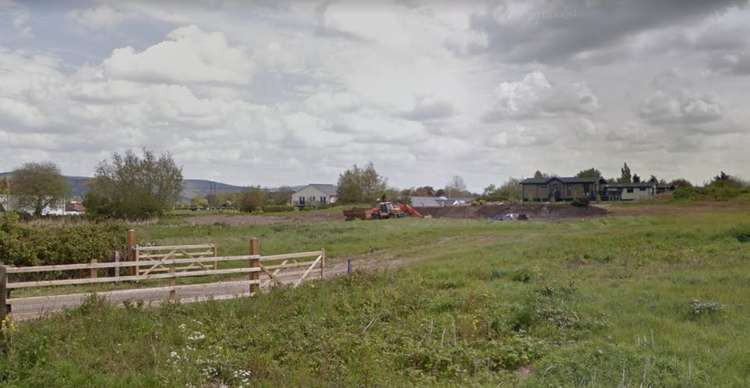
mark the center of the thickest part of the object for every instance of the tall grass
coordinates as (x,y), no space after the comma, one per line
(601,302)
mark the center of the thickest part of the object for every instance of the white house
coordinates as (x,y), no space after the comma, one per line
(315,194)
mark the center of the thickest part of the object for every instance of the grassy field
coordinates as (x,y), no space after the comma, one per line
(641,300)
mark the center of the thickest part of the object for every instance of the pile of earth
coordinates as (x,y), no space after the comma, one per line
(513,210)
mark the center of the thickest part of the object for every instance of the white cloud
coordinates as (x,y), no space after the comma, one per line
(680,107)
(188,55)
(534,96)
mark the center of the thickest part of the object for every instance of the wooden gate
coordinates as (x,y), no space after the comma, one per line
(168,253)
(290,268)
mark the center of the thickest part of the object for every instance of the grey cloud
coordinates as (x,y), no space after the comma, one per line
(733,63)
(427,109)
(553,31)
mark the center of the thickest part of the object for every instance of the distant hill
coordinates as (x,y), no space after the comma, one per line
(191,188)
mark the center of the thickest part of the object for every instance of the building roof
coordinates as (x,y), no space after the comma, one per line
(628,185)
(544,181)
(325,188)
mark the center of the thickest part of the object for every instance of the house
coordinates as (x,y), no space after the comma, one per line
(628,191)
(315,194)
(559,188)
(439,201)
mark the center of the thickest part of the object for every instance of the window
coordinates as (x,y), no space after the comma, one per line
(301,200)
(322,199)
(643,189)
(630,189)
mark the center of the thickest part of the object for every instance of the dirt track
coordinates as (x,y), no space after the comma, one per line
(263,219)
(498,211)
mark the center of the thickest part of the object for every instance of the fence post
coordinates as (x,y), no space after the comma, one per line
(349,265)
(93,269)
(322,261)
(254,263)
(132,242)
(4,310)
(117,268)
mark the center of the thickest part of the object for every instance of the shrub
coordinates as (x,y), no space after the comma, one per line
(277,208)
(685,192)
(580,202)
(24,245)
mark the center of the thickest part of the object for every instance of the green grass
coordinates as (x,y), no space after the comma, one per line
(601,302)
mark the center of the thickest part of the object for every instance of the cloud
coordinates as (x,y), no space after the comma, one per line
(732,63)
(102,16)
(188,55)
(554,31)
(680,107)
(534,96)
(426,109)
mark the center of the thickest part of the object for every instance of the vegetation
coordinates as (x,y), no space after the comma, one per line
(357,185)
(721,188)
(22,245)
(38,185)
(133,187)
(617,301)
(456,188)
(590,173)
(508,191)
(252,199)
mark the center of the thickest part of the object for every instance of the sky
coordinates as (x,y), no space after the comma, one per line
(292,92)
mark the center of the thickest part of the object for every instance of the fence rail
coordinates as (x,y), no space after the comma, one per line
(273,266)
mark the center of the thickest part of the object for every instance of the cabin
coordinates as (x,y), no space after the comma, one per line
(552,189)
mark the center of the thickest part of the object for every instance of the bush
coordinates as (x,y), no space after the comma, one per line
(684,193)
(277,208)
(23,245)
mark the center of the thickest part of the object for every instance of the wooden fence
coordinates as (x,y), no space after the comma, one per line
(163,262)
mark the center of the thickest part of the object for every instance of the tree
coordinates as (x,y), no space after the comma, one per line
(508,191)
(680,182)
(133,187)
(424,191)
(440,193)
(636,178)
(625,176)
(357,185)
(653,179)
(199,202)
(252,199)
(590,173)
(456,187)
(38,185)
(540,175)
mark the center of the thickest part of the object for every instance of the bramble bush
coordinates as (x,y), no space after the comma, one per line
(25,245)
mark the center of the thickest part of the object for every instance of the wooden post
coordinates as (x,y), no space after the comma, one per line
(132,242)
(322,262)
(216,254)
(172,292)
(117,261)
(254,263)
(93,269)
(4,307)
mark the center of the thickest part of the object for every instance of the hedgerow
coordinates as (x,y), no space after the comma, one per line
(25,245)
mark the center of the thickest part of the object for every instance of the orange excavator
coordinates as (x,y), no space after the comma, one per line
(383,210)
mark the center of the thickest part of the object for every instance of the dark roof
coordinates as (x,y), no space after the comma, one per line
(627,185)
(325,188)
(543,181)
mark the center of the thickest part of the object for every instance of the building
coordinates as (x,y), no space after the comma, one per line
(439,201)
(315,194)
(559,188)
